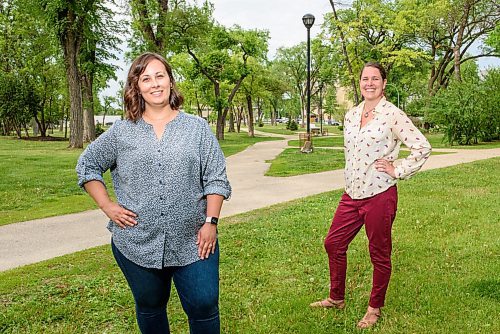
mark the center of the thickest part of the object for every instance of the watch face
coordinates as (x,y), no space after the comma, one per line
(214,220)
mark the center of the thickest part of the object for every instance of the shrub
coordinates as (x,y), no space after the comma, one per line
(98,130)
(293,126)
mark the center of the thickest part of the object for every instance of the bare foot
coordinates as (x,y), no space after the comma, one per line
(370,318)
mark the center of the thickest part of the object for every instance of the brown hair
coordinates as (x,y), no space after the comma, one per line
(132,98)
(376,65)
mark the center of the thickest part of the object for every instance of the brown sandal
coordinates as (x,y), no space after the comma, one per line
(366,322)
(329,303)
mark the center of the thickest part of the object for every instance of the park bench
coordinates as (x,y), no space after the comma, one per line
(315,131)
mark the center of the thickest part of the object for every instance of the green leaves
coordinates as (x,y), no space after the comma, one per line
(468,109)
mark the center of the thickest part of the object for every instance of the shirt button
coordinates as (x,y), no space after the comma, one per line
(159,151)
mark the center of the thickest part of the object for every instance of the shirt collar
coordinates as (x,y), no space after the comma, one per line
(378,108)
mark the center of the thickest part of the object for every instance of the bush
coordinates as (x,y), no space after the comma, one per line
(293,126)
(466,109)
(98,130)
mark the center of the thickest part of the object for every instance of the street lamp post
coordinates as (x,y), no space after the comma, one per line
(308,21)
(321,107)
(397,91)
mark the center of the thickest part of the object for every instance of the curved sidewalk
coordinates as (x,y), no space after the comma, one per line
(41,239)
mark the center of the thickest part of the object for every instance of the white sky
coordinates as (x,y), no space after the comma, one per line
(283,18)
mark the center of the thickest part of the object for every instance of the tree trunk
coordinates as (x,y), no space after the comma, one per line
(239,116)
(88,111)
(75,94)
(354,85)
(198,105)
(231,120)
(251,132)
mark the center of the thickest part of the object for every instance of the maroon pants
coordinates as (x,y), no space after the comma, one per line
(377,213)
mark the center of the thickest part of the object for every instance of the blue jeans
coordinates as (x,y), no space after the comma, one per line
(197,285)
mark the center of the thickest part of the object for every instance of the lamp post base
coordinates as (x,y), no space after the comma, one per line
(308,147)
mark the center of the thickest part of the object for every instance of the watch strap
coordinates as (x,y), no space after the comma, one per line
(212,220)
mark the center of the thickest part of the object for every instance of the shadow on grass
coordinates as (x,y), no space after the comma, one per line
(486,289)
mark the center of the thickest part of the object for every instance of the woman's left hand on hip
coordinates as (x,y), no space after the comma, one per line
(206,241)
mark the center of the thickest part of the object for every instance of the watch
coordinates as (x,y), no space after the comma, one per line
(212,220)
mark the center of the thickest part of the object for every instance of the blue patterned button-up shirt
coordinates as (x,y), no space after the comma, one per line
(165,182)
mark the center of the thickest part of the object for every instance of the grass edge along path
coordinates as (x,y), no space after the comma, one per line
(445,269)
(39,178)
(293,162)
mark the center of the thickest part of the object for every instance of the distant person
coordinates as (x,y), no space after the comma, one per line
(169,176)
(373,133)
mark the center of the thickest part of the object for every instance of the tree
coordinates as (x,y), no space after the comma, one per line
(149,20)
(19,102)
(449,29)
(100,40)
(352,77)
(218,54)
(70,18)
(468,108)
(293,64)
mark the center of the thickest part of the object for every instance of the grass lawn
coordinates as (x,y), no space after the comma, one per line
(445,270)
(322,142)
(436,141)
(281,129)
(39,179)
(277,129)
(237,142)
(292,162)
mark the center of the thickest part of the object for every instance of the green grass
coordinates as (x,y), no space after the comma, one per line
(236,142)
(292,162)
(322,142)
(436,141)
(277,129)
(39,179)
(281,129)
(445,270)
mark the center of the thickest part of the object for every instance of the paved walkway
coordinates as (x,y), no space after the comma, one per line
(41,239)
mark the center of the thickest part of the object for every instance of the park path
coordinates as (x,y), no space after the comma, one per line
(41,239)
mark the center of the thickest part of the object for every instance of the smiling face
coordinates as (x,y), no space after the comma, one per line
(372,84)
(154,85)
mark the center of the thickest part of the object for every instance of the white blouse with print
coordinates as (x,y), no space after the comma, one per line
(380,138)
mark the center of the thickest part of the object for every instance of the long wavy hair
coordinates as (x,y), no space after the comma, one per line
(132,98)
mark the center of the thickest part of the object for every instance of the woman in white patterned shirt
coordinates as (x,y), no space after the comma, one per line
(373,133)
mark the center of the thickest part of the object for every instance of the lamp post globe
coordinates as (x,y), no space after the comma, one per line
(308,20)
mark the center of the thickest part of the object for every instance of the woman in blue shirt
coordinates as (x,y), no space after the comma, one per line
(169,176)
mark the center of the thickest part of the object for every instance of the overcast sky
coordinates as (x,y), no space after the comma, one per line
(282,18)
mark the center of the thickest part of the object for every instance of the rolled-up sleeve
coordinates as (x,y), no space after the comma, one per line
(97,158)
(419,146)
(213,165)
